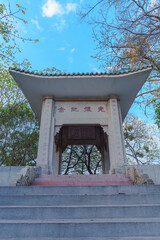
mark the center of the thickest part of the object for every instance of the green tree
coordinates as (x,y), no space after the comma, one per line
(10,93)
(9,19)
(81,160)
(19,127)
(18,142)
(141,141)
(127,34)
(19,130)
(157,113)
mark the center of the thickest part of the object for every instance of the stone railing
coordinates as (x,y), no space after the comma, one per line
(26,176)
(136,177)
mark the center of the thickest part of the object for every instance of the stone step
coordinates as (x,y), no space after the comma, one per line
(80,212)
(80,190)
(90,238)
(80,228)
(67,200)
(81,180)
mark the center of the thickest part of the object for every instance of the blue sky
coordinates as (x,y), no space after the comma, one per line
(64,42)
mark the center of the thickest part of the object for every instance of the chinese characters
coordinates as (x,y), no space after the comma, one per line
(85,109)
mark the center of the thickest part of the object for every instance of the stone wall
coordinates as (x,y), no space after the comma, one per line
(8,173)
(136,177)
(26,176)
(153,171)
(146,172)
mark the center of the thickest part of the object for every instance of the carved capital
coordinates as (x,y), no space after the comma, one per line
(48,97)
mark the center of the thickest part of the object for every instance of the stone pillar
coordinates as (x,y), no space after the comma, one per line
(122,134)
(105,155)
(45,156)
(57,161)
(116,143)
(105,160)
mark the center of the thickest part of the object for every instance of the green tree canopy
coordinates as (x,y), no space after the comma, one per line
(19,127)
(142,141)
(81,160)
(127,34)
(9,34)
(19,130)
(157,113)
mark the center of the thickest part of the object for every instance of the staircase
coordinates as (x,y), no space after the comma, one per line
(80,212)
(82,180)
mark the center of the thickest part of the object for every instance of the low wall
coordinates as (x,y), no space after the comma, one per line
(153,171)
(8,173)
(26,176)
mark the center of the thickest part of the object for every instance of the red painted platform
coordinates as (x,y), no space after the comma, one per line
(81,180)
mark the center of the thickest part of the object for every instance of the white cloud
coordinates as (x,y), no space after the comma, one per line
(95,70)
(62,49)
(59,25)
(36,23)
(71,7)
(51,8)
(73,50)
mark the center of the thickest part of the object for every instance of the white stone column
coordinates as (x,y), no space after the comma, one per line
(45,156)
(116,144)
(105,161)
(57,162)
(122,134)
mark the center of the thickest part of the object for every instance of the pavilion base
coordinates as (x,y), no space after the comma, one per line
(82,180)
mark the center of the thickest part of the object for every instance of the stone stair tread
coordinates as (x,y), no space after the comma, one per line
(74,194)
(83,206)
(81,180)
(89,238)
(80,190)
(52,183)
(79,200)
(79,221)
(116,177)
(64,195)
(80,213)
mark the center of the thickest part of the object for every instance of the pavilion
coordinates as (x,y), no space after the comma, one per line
(81,109)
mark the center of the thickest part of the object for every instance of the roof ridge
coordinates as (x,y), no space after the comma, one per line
(41,73)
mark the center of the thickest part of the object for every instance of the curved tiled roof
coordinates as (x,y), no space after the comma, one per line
(124,84)
(79,74)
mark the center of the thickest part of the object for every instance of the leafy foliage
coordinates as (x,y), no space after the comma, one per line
(127,34)
(19,130)
(9,34)
(157,113)
(10,93)
(141,141)
(19,127)
(81,160)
